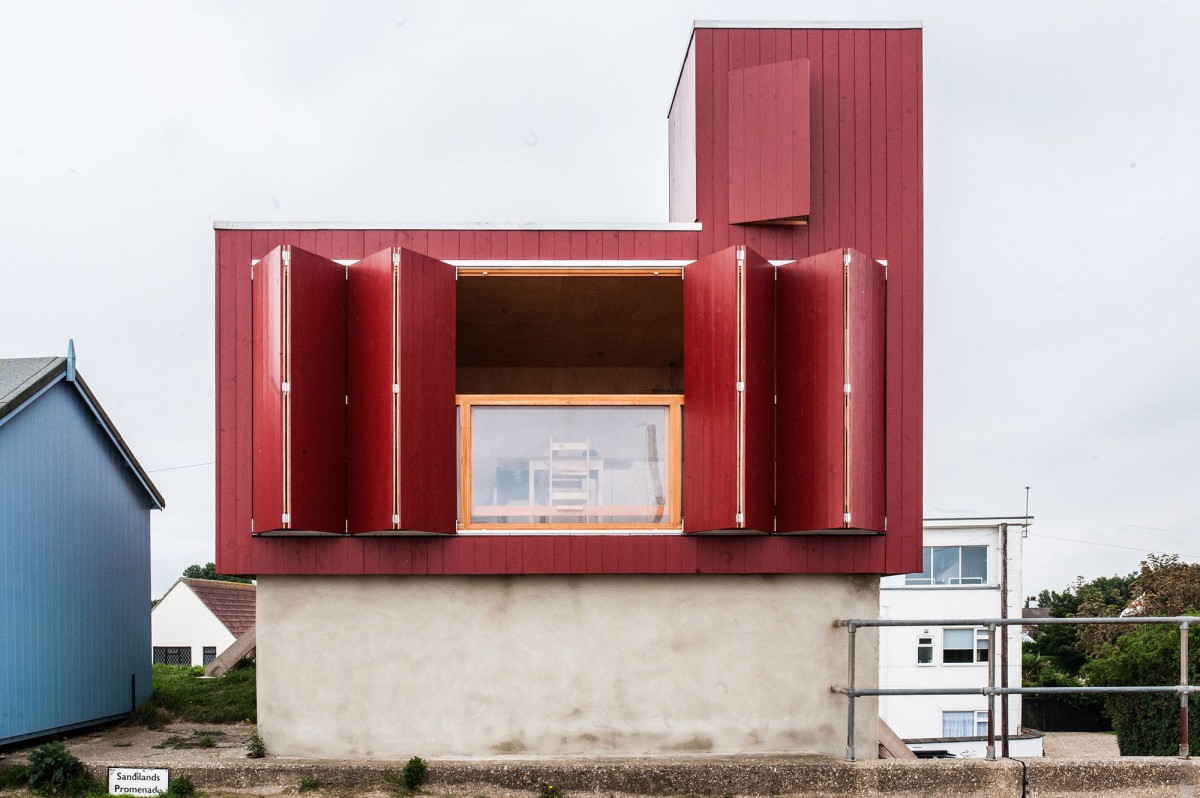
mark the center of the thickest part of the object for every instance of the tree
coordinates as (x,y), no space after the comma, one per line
(1065,646)
(209,571)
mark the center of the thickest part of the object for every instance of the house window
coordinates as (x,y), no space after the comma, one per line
(951,565)
(924,650)
(210,653)
(965,724)
(964,646)
(173,655)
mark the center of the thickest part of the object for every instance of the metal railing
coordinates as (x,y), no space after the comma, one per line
(1183,689)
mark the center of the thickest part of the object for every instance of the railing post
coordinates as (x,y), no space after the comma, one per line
(991,746)
(1183,692)
(850,697)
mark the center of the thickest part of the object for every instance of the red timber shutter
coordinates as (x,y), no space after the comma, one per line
(769,146)
(831,380)
(728,375)
(402,458)
(299,394)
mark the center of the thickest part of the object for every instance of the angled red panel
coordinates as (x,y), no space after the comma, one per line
(711,344)
(316,411)
(267,435)
(769,147)
(372,404)
(402,428)
(299,379)
(866,347)
(758,394)
(427,456)
(831,384)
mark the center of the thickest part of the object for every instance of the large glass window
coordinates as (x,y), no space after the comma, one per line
(964,723)
(951,565)
(570,464)
(963,646)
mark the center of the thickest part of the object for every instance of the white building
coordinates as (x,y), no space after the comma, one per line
(960,579)
(197,619)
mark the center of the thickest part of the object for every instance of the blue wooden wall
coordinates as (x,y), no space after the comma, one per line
(74,571)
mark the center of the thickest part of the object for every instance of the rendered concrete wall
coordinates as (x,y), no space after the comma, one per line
(394,666)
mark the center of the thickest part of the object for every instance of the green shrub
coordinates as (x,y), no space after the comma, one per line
(1147,724)
(415,771)
(181,787)
(53,770)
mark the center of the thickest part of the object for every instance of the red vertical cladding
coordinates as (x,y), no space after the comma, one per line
(768,124)
(315,368)
(866,367)
(810,443)
(710,375)
(758,394)
(426,457)
(832,380)
(371,409)
(267,435)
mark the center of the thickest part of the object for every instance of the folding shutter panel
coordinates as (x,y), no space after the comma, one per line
(299,429)
(728,317)
(402,382)
(372,404)
(831,352)
(769,142)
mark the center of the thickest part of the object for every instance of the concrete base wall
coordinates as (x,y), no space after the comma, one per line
(392,667)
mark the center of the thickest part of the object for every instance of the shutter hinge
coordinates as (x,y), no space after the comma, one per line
(846,518)
(287,257)
(739,518)
(776,398)
(251,526)
(846,258)
(883,263)
(347,400)
(741,255)
(395,387)
(252,271)
(347,271)
(395,520)
(395,258)
(885,523)
(347,527)
(285,387)
(846,388)
(286,518)
(741,386)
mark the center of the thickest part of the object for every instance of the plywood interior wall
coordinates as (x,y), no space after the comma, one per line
(570,334)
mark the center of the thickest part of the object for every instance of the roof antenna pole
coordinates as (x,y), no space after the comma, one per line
(1025,528)
(70,360)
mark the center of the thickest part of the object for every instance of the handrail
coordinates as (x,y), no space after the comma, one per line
(1183,688)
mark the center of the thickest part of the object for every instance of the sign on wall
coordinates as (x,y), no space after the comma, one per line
(138,781)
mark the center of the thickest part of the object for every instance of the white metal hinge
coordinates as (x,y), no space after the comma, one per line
(347,399)
(883,263)
(846,518)
(739,518)
(776,398)
(885,523)
(395,258)
(251,526)
(846,388)
(395,387)
(347,272)
(251,271)
(347,527)
(741,255)
(846,258)
(741,386)
(286,518)
(285,387)
(287,257)
(395,520)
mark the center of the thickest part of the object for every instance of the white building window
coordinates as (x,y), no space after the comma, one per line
(964,646)
(951,565)
(971,723)
(173,655)
(210,653)
(924,650)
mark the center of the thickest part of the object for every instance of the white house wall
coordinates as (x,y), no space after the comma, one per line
(182,619)
(921,716)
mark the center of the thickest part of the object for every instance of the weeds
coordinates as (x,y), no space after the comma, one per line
(12,777)
(415,771)
(309,783)
(255,747)
(181,787)
(550,791)
(53,770)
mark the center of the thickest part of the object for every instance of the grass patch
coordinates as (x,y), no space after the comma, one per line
(199,739)
(309,783)
(179,694)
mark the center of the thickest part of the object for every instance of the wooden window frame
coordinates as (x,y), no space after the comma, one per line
(674,459)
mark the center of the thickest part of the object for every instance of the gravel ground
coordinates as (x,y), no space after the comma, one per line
(1080,745)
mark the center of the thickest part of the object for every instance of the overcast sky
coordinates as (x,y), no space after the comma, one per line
(1062,190)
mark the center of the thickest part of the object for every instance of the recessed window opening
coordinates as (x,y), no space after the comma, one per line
(569,334)
(963,646)
(951,565)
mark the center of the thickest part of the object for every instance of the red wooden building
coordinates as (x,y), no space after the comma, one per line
(736,391)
